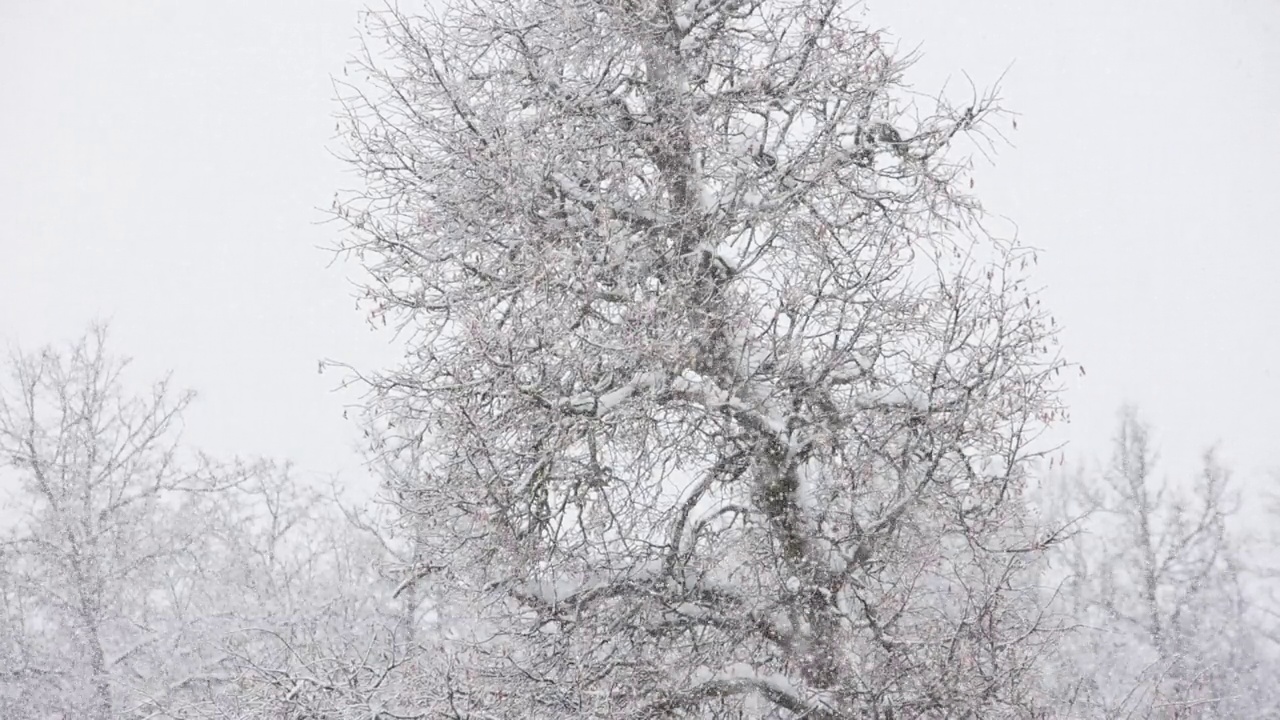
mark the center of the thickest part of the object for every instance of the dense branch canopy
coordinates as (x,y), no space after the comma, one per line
(716,366)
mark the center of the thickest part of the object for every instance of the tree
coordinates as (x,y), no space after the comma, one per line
(100,502)
(318,632)
(1158,585)
(138,582)
(726,395)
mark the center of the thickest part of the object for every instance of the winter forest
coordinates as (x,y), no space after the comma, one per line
(717,397)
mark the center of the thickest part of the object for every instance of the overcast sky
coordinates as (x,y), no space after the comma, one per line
(161,166)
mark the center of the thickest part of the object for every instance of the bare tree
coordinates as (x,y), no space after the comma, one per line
(1157,583)
(138,582)
(726,395)
(96,489)
(317,631)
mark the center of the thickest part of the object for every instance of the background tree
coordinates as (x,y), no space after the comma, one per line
(726,396)
(138,580)
(99,504)
(1159,584)
(308,625)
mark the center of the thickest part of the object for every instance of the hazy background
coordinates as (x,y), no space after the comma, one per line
(162,165)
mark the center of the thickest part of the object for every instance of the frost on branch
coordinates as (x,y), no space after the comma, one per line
(702,333)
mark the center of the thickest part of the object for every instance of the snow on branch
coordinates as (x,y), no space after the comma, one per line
(688,386)
(553,593)
(908,398)
(599,405)
(723,255)
(693,598)
(743,678)
(593,201)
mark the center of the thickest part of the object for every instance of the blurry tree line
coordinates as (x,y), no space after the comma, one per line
(139,579)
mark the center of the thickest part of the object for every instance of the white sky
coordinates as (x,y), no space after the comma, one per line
(161,166)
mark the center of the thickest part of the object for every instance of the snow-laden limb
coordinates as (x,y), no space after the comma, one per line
(602,404)
(723,255)
(844,375)
(746,679)
(594,203)
(685,598)
(553,590)
(688,386)
(906,398)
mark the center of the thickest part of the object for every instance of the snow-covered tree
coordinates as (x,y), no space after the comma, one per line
(286,605)
(98,502)
(1157,584)
(307,625)
(140,581)
(724,393)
